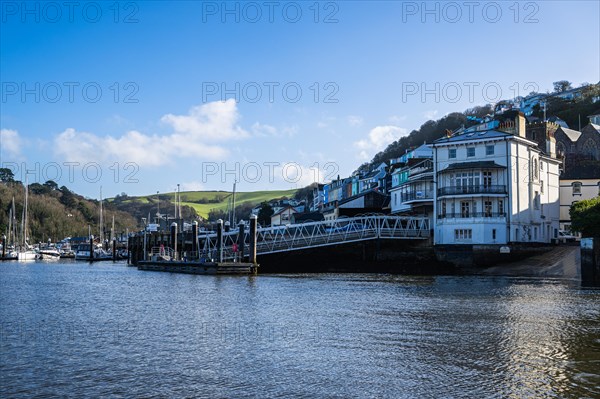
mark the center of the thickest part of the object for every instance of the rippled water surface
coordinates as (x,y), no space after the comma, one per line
(108,330)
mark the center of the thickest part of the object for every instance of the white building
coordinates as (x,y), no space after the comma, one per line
(283,216)
(495,187)
(572,190)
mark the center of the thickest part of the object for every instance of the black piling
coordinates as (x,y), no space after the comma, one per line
(220,240)
(91,248)
(253,229)
(195,239)
(174,239)
(240,240)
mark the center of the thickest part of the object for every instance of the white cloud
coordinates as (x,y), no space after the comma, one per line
(263,130)
(290,131)
(10,142)
(194,135)
(215,121)
(379,138)
(260,130)
(326,122)
(430,115)
(395,119)
(354,120)
(192,186)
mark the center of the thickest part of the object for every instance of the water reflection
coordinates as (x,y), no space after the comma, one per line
(76,329)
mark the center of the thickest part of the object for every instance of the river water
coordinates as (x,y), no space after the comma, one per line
(108,330)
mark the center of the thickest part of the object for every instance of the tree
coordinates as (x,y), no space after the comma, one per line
(7,175)
(51,185)
(37,188)
(68,198)
(264,214)
(562,86)
(585,217)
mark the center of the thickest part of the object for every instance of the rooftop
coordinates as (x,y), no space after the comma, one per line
(485,134)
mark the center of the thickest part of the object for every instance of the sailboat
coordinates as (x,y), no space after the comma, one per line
(25,252)
(85,251)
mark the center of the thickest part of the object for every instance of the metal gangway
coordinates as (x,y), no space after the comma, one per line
(308,235)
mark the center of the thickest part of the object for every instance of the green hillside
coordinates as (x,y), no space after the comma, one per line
(205,201)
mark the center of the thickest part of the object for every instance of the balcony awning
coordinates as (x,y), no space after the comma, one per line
(473,165)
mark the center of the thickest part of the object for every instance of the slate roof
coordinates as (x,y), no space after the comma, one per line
(573,135)
(370,175)
(485,134)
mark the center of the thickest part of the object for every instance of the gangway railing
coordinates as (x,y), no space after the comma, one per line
(316,234)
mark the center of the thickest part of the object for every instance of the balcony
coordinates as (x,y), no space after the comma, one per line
(471,215)
(416,196)
(474,189)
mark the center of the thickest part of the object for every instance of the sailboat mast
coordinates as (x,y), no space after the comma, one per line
(10,219)
(101,219)
(233,206)
(112,229)
(25,215)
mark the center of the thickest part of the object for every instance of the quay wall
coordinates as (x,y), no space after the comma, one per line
(374,256)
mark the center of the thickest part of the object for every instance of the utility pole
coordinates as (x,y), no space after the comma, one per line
(158,206)
(179,203)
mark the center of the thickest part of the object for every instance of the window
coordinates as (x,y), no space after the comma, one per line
(452,153)
(489,150)
(536,201)
(494,234)
(463,234)
(487,179)
(487,209)
(470,151)
(465,209)
(501,207)
(542,186)
(536,171)
(576,188)
(443,209)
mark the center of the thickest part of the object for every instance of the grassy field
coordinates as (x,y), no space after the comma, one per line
(191,198)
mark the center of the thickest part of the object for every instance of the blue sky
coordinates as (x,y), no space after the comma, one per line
(130,97)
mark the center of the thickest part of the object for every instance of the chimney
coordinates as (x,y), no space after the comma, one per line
(551,143)
(520,124)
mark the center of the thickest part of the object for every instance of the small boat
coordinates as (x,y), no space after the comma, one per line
(83,253)
(48,253)
(26,255)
